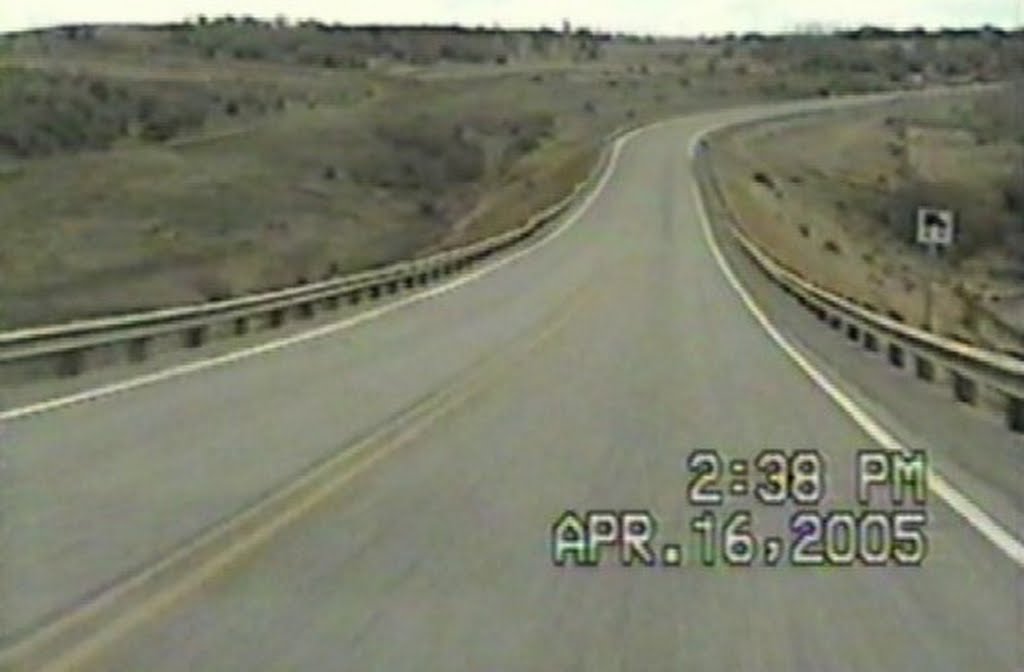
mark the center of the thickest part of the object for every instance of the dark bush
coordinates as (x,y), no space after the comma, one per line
(159,130)
(762,178)
(99,90)
(1013,196)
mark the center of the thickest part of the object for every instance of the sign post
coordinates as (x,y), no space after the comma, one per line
(936,230)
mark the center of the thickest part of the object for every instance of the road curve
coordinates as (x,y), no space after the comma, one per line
(579,376)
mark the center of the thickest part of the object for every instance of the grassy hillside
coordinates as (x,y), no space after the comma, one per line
(141,166)
(838,199)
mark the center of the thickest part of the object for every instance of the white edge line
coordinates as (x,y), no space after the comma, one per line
(959,502)
(328,329)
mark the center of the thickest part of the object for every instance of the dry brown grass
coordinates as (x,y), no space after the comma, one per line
(357,166)
(847,192)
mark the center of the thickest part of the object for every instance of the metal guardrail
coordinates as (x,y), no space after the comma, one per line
(63,349)
(977,376)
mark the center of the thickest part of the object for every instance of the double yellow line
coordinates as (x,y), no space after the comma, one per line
(74,640)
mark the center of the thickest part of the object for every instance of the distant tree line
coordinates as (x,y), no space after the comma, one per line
(336,45)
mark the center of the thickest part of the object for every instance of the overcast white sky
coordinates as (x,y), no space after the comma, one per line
(681,17)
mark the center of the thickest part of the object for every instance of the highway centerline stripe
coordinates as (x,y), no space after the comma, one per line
(115,612)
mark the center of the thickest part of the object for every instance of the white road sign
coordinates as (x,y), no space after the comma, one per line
(935,227)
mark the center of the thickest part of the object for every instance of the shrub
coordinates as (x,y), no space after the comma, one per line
(99,90)
(1013,196)
(159,130)
(763,179)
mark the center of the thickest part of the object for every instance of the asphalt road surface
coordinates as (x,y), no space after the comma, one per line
(577,376)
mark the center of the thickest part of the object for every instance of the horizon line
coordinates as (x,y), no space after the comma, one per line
(802,29)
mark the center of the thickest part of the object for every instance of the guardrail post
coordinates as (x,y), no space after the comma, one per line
(410,281)
(71,363)
(275,318)
(870,341)
(393,287)
(1015,414)
(138,349)
(965,390)
(834,321)
(852,332)
(306,310)
(195,336)
(241,326)
(924,368)
(896,357)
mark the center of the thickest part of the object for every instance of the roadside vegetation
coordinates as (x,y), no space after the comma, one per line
(144,166)
(838,200)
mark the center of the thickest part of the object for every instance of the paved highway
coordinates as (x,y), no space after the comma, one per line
(578,376)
